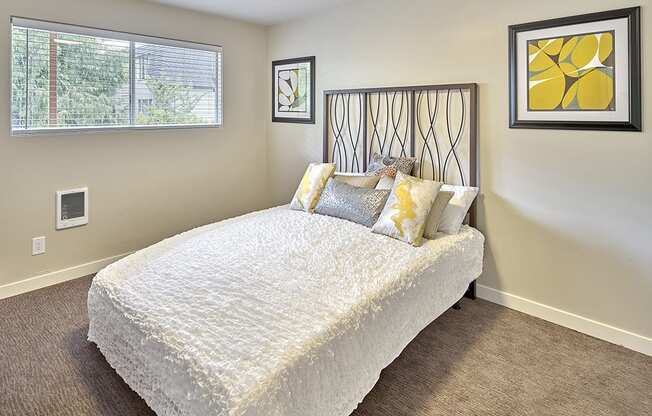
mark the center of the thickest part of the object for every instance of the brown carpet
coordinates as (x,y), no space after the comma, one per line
(481,360)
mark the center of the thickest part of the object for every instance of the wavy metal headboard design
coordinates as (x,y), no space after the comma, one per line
(437,124)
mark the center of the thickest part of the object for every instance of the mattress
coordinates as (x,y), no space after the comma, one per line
(276,312)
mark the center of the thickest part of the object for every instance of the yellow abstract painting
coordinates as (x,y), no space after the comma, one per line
(572,73)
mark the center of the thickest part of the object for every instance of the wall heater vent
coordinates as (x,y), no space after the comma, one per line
(72,208)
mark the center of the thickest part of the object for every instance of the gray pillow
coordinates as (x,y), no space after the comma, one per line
(389,165)
(359,205)
(434,217)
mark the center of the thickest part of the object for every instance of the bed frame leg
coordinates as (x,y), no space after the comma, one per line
(470,292)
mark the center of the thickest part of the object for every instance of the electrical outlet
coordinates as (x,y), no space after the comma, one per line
(38,246)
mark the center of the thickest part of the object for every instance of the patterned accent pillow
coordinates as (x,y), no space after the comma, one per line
(311,185)
(389,171)
(387,165)
(406,211)
(359,205)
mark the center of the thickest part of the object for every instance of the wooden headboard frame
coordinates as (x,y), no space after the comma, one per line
(437,124)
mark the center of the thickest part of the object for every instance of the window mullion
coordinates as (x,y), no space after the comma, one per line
(52,82)
(132,83)
(219,90)
(26,78)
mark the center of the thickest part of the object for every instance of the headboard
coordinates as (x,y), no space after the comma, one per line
(437,124)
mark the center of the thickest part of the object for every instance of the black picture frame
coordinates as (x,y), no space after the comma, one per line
(306,59)
(634,46)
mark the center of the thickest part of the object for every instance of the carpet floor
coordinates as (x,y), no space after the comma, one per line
(481,360)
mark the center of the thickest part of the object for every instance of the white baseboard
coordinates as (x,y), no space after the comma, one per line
(59,276)
(579,323)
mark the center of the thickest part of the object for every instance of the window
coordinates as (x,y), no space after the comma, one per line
(75,78)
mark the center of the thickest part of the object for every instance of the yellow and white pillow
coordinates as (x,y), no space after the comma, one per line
(312,183)
(407,208)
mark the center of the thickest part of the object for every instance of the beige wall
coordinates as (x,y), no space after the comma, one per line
(144,185)
(567,214)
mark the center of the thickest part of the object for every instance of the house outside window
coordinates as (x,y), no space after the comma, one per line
(142,64)
(144,104)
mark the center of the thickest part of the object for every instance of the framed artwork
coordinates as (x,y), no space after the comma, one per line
(579,72)
(293,90)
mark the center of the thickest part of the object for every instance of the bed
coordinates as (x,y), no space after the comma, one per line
(276,312)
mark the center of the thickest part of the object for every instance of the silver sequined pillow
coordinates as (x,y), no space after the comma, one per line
(359,205)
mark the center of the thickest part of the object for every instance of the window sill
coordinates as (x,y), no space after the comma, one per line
(106,129)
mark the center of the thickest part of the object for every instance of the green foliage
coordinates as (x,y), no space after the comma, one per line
(173,103)
(92,84)
(89,74)
(37,88)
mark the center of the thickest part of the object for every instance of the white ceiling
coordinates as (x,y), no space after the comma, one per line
(267,12)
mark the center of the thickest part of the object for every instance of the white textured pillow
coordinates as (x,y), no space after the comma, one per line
(455,212)
(385,182)
(359,180)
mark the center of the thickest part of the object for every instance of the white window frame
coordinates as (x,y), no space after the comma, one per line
(126,36)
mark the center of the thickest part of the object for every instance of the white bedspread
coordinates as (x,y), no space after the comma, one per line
(274,313)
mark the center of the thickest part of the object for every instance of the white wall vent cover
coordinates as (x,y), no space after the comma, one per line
(72,208)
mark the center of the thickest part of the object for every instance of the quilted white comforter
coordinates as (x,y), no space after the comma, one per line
(274,313)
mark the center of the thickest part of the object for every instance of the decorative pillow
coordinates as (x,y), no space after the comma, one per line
(359,205)
(455,212)
(385,182)
(312,183)
(359,180)
(406,211)
(380,165)
(434,218)
(385,171)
